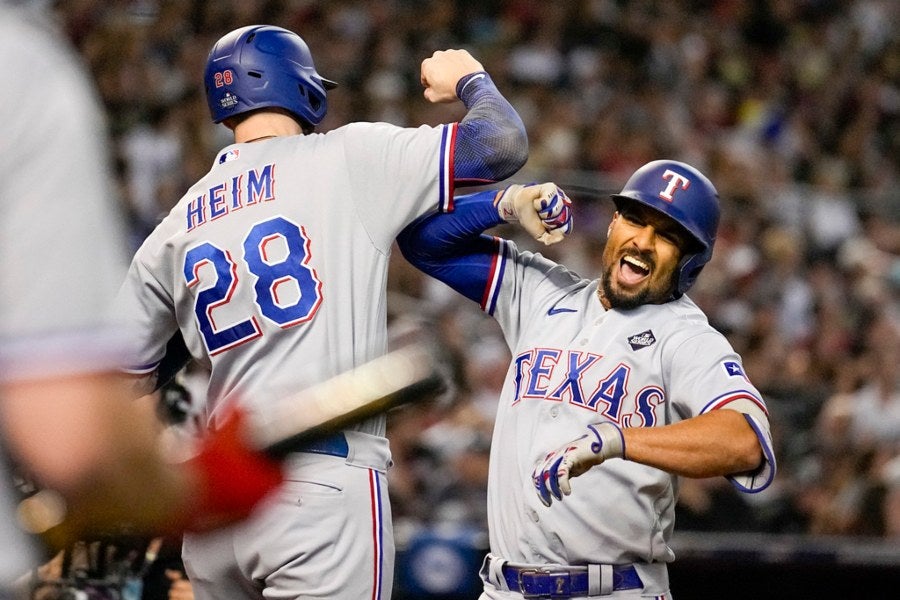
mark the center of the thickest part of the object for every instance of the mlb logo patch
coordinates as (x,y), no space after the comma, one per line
(733,369)
(229,156)
(641,340)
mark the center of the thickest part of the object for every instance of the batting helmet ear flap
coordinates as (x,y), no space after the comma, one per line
(688,269)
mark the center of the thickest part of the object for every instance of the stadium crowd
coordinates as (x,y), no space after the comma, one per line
(791,108)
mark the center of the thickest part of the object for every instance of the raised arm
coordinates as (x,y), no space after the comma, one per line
(491,143)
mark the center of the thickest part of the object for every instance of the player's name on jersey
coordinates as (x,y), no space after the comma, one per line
(253,186)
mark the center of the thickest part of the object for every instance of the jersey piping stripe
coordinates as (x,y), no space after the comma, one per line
(141,369)
(495,277)
(733,396)
(377,533)
(767,472)
(445,168)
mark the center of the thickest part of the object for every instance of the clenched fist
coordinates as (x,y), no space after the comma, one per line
(544,210)
(443,70)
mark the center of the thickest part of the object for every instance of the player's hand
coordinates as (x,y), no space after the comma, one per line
(552,474)
(441,72)
(544,210)
(233,477)
(555,210)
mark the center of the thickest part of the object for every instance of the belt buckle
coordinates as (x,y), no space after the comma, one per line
(561,583)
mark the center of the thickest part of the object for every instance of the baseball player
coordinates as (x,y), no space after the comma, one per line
(64,419)
(619,381)
(273,269)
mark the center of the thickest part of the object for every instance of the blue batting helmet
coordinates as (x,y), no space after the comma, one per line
(685,195)
(263,66)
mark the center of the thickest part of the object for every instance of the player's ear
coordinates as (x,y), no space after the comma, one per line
(609,229)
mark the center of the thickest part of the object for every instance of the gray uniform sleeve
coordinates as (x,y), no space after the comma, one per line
(707,374)
(61,233)
(406,174)
(145,307)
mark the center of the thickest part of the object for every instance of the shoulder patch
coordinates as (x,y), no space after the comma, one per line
(642,340)
(733,369)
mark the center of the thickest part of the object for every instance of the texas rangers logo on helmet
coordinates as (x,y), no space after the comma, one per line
(676,181)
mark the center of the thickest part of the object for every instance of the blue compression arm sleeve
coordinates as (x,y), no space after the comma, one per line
(491,142)
(452,248)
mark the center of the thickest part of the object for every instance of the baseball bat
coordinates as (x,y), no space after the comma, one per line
(407,375)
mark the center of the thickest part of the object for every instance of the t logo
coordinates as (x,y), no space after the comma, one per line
(676,181)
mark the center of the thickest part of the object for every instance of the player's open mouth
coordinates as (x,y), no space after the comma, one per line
(632,270)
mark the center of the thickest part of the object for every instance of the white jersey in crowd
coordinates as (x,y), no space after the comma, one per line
(575,363)
(62,244)
(276,261)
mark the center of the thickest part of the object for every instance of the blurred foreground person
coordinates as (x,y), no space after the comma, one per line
(65,419)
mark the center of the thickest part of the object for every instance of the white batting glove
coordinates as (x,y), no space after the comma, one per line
(552,474)
(544,210)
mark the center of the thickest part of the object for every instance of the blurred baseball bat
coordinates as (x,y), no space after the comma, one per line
(407,375)
(404,376)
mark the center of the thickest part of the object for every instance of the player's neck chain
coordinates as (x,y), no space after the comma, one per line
(262,137)
(602,297)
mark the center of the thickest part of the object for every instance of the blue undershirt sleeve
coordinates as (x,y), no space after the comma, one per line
(491,142)
(451,246)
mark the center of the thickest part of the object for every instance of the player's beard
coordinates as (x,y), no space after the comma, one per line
(619,300)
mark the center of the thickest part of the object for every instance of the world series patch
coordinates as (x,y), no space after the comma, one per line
(229,100)
(642,340)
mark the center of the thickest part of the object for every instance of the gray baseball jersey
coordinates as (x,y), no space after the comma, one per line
(575,363)
(274,269)
(61,237)
(274,265)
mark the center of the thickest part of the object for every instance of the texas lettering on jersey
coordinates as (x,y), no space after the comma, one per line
(584,379)
(251,187)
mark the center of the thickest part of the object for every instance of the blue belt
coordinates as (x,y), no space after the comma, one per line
(333,445)
(564,582)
